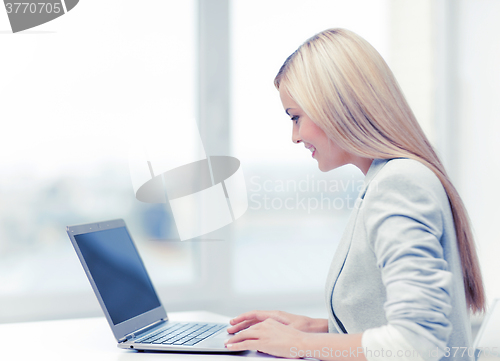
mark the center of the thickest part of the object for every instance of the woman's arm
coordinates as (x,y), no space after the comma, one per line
(333,347)
(275,338)
(405,219)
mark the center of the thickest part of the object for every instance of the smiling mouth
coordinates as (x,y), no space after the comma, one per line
(313,150)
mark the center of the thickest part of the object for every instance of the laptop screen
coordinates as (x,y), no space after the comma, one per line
(118,273)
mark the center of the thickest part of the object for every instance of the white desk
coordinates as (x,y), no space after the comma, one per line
(91,339)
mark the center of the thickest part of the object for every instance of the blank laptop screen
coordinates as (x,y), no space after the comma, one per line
(118,273)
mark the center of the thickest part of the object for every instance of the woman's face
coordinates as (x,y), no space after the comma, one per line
(328,154)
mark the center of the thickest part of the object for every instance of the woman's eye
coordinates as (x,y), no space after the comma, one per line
(295,119)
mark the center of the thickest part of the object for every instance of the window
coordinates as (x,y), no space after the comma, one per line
(74,93)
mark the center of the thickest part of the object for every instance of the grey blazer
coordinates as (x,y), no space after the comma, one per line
(398,262)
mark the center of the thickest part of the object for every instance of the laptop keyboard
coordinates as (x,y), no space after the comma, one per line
(178,333)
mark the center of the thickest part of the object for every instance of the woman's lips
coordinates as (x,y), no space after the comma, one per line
(313,150)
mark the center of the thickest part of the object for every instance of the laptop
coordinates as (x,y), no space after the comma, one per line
(127,296)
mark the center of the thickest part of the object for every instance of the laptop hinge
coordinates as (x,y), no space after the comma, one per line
(132,335)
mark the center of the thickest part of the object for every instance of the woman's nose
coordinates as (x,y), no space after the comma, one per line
(295,136)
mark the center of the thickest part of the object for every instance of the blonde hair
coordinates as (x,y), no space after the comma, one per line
(345,86)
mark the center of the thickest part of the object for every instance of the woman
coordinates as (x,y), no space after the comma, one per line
(405,273)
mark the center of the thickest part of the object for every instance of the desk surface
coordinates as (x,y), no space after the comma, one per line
(91,339)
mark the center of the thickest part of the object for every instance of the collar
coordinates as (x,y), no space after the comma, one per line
(375,167)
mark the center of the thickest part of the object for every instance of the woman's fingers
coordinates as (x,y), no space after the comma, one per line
(246,320)
(243,346)
(251,318)
(262,337)
(258,315)
(248,334)
(242,325)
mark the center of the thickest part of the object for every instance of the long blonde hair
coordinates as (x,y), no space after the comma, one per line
(345,87)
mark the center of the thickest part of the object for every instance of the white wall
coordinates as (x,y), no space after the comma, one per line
(479,129)
(412,57)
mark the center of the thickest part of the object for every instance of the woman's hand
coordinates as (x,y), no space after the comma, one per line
(301,323)
(269,336)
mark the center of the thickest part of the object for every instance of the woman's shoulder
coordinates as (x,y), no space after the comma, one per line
(408,176)
(408,171)
(406,187)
